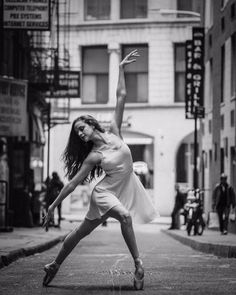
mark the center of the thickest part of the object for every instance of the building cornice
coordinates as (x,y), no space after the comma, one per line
(123,24)
(143,107)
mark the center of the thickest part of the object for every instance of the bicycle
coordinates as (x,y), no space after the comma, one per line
(194,211)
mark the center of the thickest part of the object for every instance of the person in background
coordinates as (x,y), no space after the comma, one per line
(90,151)
(223,199)
(180,200)
(55,185)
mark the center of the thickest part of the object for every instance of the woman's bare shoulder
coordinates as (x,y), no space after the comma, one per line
(94,157)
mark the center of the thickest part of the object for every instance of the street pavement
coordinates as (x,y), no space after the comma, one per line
(101,264)
(23,242)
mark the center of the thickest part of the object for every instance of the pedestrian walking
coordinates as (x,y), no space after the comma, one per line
(180,200)
(223,200)
(90,151)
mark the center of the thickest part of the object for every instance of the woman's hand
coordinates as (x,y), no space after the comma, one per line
(130,58)
(48,217)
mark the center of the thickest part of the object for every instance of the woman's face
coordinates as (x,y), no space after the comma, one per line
(84,130)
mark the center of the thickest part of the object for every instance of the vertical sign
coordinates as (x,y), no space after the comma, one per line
(198,72)
(188,79)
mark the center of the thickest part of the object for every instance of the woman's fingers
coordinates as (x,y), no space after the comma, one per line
(129,58)
(134,53)
(46,220)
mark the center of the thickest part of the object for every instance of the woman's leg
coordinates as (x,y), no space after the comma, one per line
(85,228)
(123,216)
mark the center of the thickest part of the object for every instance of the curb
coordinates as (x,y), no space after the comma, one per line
(215,249)
(12,256)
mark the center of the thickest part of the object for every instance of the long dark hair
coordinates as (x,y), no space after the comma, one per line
(77,150)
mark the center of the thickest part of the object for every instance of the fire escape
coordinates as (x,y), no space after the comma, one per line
(50,67)
(49,56)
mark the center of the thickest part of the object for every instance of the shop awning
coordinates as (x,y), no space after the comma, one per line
(136,138)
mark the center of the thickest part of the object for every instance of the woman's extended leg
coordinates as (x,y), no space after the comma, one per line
(123,216)
(85,228)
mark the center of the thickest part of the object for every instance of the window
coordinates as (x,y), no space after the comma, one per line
(222,122)
(179,55)
(222,160)
(210,40)
(209,127)
(222,72)
(215,150)
(136,74)
(188,5)
(205,157)
(232,118)
(133,9)
(233,65)
(222,24)
(211,84)
(95,75)
(226,146)
(232,11)
(203,129)
(97,9)
(182,163)
(210,158)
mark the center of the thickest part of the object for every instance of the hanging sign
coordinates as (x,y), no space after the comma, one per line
(198,72)
(13,112)
(188,79)
(26,14)
(68,84)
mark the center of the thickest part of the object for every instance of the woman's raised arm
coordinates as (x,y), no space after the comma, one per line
(121,94)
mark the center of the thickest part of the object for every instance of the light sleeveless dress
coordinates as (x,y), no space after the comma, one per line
(120,184)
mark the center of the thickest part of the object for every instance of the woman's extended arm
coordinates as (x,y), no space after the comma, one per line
(121,93)
(88,164)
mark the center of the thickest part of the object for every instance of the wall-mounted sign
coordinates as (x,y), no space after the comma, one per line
(68,84)
(13,112)
(26,14)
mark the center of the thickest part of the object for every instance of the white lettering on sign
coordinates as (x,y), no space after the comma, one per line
(26,14)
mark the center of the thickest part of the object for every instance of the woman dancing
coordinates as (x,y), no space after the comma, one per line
(90,151)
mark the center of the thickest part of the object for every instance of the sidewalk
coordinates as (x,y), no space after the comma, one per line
(23,242)
(211,242)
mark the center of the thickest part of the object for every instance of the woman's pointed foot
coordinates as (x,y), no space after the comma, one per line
(51,269)
(138,275)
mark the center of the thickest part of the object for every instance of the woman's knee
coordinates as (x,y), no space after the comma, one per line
(126,219)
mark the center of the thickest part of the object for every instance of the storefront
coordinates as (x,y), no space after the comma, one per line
(21,158)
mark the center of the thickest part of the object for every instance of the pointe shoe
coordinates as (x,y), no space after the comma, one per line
(51,269)
(138,275)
